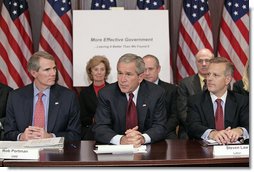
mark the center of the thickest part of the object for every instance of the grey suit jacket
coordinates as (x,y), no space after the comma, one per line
(110,114)
(63,113)
(201,114)
(187,87)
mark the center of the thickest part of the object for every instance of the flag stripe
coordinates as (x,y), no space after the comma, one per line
(234,42)
(16,43)
(56,37)
(226,55)
(234,34)
(2,77)
(67,78)
(23,25)
(11,68)
(244,30)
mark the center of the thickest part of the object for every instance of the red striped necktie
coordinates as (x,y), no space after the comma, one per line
(39,112)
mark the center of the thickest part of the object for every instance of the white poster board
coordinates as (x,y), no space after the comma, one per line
(113,33)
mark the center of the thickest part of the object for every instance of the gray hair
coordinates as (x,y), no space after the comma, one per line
(128,58)
(33,63)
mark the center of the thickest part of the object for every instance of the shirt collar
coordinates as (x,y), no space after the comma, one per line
(223,98)
(201,78)
(135,93)
(157,81)
(45,92)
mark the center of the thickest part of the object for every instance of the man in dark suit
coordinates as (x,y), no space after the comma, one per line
(59,108)
(190,86)
(152,70)
(111,117)
(4,92)
(218,113)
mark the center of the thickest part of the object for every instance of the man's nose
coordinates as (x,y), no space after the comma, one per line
(123,78)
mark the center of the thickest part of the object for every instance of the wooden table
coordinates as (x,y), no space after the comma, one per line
(164,153)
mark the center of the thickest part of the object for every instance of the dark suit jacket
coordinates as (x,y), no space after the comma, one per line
(187,87)
(88,103)
(170,98)
(4,92)
(110,117)
(201,114)
(238,88)
(63,117)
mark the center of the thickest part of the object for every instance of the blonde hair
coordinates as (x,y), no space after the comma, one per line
(245,78)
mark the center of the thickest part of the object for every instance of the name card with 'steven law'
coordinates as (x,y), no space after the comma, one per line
(231,150)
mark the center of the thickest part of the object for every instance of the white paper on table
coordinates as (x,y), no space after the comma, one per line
(12,144)
(55,142)
(119,149)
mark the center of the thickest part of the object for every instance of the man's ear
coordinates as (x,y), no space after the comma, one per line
(33,73)
(228,79)
(141,77)
(159,68)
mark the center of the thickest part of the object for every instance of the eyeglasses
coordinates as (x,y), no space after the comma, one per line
(203,60)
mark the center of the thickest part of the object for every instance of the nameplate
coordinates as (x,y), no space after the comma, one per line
(231,150)
(19,153)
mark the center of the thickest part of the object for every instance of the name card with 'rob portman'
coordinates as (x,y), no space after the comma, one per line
(231,150)
(10,153)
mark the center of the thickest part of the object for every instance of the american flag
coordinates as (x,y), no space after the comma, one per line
(150,4)
(195,33)
(16,45)
(56,37)
(103,4)
(234,34)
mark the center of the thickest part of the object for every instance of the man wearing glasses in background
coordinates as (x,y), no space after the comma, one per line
(190,86)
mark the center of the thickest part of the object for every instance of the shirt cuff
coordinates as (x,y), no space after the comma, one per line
(245,134)
(205,136)
(147,138)
(116,139)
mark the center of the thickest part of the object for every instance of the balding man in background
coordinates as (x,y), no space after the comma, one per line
(152,70)
(190,86)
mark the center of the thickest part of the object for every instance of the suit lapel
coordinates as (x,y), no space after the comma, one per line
(207,108)
(230,109)
(142,105)
(54,105)
(28,105)
(196,84)
(122,107)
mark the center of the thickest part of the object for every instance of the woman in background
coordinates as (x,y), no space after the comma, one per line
(243,86)
(98,69)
